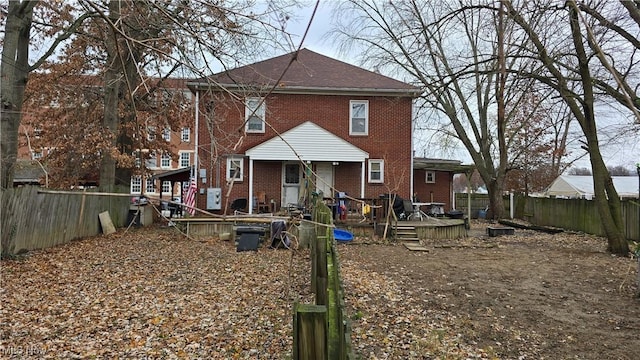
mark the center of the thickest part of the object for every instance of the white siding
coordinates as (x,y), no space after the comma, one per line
(311,143)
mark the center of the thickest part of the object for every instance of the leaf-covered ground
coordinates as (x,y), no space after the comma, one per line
(150,293)
(526,296)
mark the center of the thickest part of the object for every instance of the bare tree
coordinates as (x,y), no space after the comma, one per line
(568,70)
(465,59)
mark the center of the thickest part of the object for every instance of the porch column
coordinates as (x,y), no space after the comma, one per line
(362,179)
(250,200)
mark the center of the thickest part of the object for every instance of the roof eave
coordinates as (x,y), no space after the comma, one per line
(302,90)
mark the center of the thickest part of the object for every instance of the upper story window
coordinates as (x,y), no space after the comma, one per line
(376,171)
(37,133)
(185,136)
(254,112)
(151,133)
(430,177)
(166,134)
(185,159)
(165,161)
(234,168)
(166,186)
(151,161)
(359,117)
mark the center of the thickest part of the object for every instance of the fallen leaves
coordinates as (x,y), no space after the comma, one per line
(151,293)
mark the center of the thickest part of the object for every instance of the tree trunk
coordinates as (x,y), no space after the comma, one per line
(112,85)
(606,196)
(14,73)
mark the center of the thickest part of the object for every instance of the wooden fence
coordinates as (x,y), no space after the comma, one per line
(322,330)
(579,215)
(31,219)
(571,214)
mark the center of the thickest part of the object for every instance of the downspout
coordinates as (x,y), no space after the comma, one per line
(195,150)
(250,200)
(362,179)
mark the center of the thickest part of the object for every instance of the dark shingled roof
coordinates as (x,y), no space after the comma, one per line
(309,71)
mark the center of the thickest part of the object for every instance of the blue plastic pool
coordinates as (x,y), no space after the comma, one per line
(342,235)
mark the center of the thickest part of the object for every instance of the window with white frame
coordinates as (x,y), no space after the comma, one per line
(430,177)
(376,171)
(165,161)
(166,187)
(136,158)
(36,154)
(151,133)
(359,117)
(151,186)
(254,115)
(136,184)
(166,134)
(185,136)
(37,133)
(234,168)
(151,161)
(185,159)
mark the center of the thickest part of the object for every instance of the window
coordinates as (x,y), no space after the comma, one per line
(37,133)
(254,115)
(376,171)
(151,133)
(185,136)
(359,117)
(430,177)
(36,155)
(234,169)
(136,158)
(185,159)
(166,187)
(151,161)
(166,134)
(151,186)
(136,184)
(165,161)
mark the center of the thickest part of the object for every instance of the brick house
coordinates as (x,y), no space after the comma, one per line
(260,127)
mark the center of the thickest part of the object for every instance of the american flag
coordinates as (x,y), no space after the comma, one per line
(190,197)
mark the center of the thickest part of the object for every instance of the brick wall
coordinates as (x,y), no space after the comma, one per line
(389,137)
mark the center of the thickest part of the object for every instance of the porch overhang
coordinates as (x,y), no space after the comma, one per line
(307,142)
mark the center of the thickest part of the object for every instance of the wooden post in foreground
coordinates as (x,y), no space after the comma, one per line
(310,332)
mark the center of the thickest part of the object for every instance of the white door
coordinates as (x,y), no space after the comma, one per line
(290,183)
(324,178)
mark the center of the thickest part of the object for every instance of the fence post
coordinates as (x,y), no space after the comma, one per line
(310,332)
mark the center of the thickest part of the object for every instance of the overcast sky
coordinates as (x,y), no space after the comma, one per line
(617,150)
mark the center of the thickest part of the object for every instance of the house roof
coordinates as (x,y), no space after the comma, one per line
(325,146)
(306,72)
(27,172)
(578,186)
(182,175)
(454,166)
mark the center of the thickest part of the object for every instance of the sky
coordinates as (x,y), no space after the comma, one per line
(617,150)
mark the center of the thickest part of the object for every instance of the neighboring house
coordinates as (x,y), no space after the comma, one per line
(433,180)
(260,125)
(165,148)
(581,186)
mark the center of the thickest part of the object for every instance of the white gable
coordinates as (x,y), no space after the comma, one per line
(582,186)
(311,143)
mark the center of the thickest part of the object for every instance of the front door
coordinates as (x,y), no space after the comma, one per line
(324,178)
(290,183)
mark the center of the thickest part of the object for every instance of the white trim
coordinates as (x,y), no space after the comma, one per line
(381,170)
(366,117)
(164,157)
(250,200)
(426,177)
(311,143)
(260,113)
(240,164)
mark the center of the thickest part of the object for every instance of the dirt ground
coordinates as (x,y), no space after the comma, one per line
(152,293)
(525,296)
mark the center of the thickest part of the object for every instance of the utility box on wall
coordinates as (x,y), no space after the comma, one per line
(214,198)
